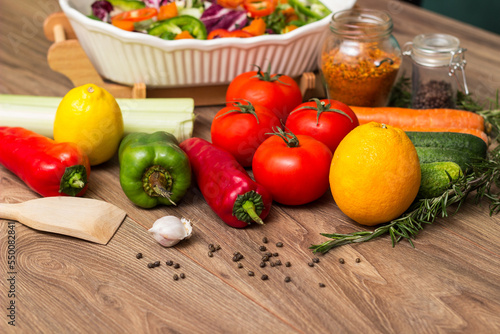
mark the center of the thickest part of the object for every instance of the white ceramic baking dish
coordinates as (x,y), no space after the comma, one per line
(129,57)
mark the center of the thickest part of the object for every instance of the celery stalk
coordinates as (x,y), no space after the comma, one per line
(37,113)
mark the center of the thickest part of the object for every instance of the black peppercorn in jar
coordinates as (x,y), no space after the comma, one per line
(435,61)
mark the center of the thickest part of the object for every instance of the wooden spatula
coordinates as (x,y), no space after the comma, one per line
(83,218)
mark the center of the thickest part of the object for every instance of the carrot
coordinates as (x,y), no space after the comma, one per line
(257,27)
(475,132)
(184,35)
(420,118)
(168,11)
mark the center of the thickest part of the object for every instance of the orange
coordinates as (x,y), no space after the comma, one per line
(375,174)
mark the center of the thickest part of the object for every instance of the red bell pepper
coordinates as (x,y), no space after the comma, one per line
(259,8)
(225,185)
(223,33)
(47,167)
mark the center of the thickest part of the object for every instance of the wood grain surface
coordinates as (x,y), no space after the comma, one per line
(448,283)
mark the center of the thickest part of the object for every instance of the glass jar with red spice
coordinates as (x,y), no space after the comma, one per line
(360,58)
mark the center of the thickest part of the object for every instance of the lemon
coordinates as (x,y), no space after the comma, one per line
(90,117)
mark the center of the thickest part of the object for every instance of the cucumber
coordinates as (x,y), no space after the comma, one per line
(436,154)
(436,178)
(461,148)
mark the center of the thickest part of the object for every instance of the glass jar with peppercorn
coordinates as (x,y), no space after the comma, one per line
(360,58)
(435,61)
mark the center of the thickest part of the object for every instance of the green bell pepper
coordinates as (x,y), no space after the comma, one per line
(313,9)
(168,29)
(153,169)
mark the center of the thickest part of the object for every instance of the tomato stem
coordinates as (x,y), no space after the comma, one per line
(267,75)
(242,109)
(290,138)
(321,107)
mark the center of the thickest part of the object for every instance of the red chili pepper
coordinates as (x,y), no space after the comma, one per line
(225,185)
(47,167)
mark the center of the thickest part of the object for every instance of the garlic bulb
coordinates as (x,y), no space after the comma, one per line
(169,230)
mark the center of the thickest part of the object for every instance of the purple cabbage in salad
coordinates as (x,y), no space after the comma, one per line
(102,9)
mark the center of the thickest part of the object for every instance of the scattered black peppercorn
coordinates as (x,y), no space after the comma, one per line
(269,254)
(275,254)
(279,244)
(237,256)
(217,247)
(264,240)
(157,263)
(251,273)
(210,254)
(182,275)
(341,260)
(151,265)
(240,265)
(262,264)
(177,266)
(358,260)
(272,264)
(311,264)
(139,256)
(262,248)
(315,260)
(321,285)
(288,264)
(264,277)
(211,247)
(176,277)
(287,279)
(169,263)
(265,258)
(278,262)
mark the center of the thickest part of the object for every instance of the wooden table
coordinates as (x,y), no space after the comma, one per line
(450,281)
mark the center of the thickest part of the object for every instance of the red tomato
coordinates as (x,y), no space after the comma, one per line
(240,128)
(279,93)
(295,171)
(328,121)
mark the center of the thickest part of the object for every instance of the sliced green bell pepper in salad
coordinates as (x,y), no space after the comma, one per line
(153,169)
(170,28)
(127,5)
(310,8)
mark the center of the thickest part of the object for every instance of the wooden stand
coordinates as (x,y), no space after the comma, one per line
(66,56)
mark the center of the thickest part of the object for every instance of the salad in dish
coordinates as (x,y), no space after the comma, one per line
(208,19)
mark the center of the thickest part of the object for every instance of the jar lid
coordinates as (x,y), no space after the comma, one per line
(434,49)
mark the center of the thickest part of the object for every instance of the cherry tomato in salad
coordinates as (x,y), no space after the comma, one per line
(293,168)
(277,92)
(328,121)
(259,8)
(240,128)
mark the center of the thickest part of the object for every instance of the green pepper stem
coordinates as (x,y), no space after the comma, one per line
(248,207)
(73,180)
(157,182)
